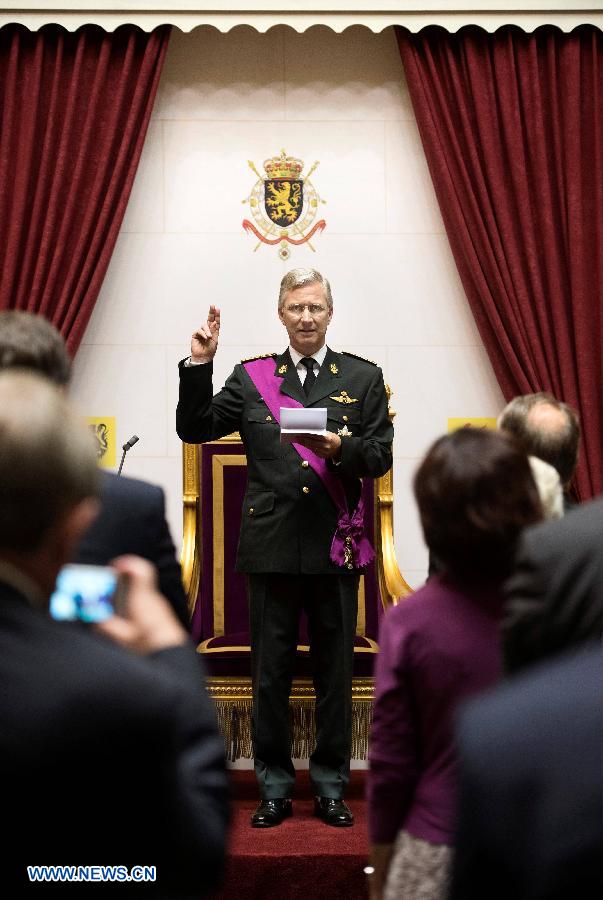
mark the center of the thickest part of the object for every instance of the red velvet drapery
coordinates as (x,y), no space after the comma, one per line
(512,126)
(74,111)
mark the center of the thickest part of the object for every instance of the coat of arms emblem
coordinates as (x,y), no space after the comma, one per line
(283,204)
(100,432)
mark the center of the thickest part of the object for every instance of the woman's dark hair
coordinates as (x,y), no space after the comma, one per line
(475,493)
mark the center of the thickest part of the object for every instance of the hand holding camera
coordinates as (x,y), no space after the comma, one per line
(148,623)
(122,601)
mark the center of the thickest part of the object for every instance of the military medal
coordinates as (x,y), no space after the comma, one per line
(343,398)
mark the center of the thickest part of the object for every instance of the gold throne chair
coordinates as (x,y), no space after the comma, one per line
(214,477)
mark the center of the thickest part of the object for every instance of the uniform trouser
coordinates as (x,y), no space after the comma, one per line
(275,606)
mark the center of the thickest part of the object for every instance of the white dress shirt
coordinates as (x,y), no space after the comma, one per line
(318,357)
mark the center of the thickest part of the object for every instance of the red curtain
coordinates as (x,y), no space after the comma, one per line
(74,113)
(512,126)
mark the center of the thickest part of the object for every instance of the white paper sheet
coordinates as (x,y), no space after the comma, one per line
(302,421)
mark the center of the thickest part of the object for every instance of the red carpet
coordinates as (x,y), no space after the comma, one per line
(303,857)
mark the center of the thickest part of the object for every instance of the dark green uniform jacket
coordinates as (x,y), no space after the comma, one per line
(285,528)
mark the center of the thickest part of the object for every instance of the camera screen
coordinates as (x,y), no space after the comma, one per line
(83,593)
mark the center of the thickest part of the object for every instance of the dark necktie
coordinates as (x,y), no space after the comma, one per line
(308,362)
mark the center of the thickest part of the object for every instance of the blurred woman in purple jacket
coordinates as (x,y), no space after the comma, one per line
(475,492)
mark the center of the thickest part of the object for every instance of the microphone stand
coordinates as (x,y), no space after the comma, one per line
(127,446)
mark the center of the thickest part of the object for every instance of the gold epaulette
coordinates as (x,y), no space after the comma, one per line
(355,356)
(261,356)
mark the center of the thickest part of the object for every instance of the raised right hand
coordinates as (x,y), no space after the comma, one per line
(204,342)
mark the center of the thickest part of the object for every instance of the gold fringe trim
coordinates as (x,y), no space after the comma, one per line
(303,732)
(234,722)
(362,716)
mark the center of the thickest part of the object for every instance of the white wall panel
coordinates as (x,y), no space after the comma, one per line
(173,355)
(131,305)
(433,384)
(222,269)
(412,206)
(145,207)
(394,288)
(331,80)
(128,382)
(208,75)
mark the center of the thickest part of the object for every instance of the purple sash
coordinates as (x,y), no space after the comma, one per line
(350,547)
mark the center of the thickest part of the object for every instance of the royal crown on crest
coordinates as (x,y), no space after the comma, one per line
(283,166)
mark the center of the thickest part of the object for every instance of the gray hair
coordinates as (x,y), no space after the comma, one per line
(297,278)
(556,445)
(47,459)
(29,341)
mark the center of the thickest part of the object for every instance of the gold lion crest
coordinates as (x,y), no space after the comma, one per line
(100,432)
(283,205)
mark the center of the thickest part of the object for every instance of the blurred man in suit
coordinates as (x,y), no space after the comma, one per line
(131,517)
(547,428)
(554,596)
(531,802)
(109,756)
(302,542)
(530,822)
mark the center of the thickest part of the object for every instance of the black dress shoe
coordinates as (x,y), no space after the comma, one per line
(333,812)
(271,812)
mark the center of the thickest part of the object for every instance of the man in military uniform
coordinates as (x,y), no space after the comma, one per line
(301,542)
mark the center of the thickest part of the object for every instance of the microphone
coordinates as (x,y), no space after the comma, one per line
(127,446)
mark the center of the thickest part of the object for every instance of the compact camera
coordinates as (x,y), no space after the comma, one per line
(87,594)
